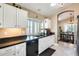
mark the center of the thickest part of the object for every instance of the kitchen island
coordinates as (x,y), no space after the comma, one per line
(13,46)
(25,45)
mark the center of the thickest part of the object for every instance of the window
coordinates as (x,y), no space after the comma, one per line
(33,28)
(70,27)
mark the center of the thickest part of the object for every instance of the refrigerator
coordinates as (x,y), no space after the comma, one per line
(78,35)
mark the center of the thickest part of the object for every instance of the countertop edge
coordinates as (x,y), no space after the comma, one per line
(12,45)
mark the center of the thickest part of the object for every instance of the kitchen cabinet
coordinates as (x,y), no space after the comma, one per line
(21,49)
(8,51)
(21,18)
(45,43)
(16,50)
(9,16)
(1,15)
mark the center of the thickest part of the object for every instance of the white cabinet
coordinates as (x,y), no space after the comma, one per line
(45,43)
(9,16)
(21,18)
(8,51)
(21,49)
(12,17)
(52,39)
(16,50)
(1,15)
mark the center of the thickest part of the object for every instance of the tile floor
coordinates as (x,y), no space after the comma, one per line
(64,49)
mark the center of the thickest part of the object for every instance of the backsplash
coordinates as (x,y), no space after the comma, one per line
(8,32)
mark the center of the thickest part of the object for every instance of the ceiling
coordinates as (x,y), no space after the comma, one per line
(67,15)
(43,8)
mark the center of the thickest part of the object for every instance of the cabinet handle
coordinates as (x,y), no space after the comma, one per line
(0,6)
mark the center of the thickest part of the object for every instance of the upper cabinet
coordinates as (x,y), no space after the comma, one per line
(9,16)
(21,18)
(1,15)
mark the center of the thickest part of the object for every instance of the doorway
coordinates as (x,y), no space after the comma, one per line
(66,26)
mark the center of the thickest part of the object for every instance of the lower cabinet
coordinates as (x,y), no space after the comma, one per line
(21,49)
(45,43)
(16,50)
(8,51)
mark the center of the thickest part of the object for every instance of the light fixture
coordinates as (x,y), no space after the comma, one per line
(57,4)
(53,4)
(60,4)
(71,17)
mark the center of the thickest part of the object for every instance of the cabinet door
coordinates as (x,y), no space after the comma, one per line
(45,43)
(1,15)
(9,16)
(21,49)
(8,51)
(52,39)
(21,18)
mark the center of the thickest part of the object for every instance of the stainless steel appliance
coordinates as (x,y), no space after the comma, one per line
(78,36)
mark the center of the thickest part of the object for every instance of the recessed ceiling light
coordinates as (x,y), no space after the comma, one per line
(53,4)
(60,4)
(57,4)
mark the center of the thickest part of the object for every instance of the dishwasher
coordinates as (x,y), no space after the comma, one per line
(32,47)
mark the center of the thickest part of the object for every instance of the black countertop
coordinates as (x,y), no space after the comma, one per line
(10,41)
(32,37)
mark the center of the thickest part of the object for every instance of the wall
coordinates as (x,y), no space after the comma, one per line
(32,14)
(54,26)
